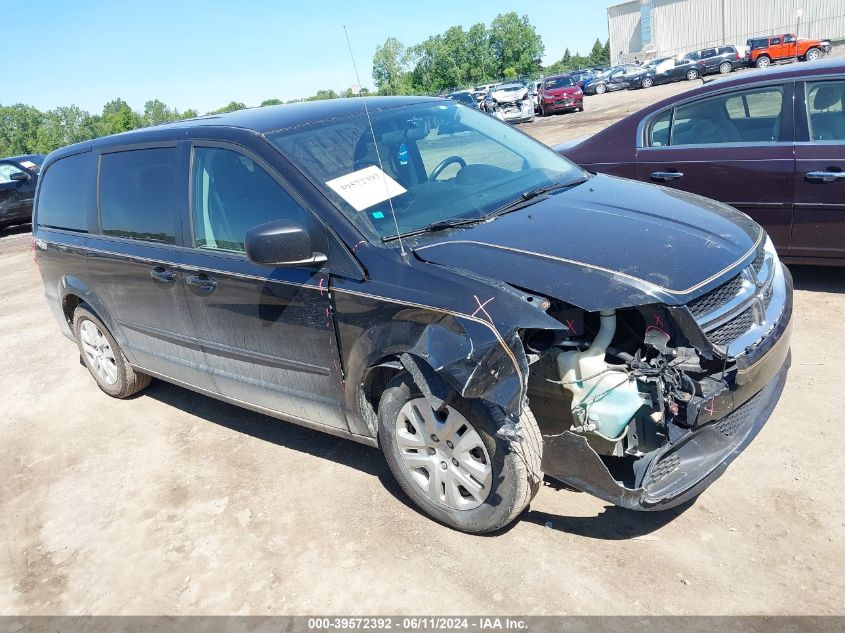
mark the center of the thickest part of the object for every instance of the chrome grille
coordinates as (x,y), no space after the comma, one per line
(733,329)
(736,314)
(716,298)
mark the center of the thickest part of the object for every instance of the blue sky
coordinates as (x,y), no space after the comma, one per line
(205,54)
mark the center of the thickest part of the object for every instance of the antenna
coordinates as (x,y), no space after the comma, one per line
(375,145)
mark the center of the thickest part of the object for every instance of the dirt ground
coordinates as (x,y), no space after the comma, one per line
(174,503)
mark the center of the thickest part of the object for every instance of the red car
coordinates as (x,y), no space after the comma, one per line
(771,144)
(560,93)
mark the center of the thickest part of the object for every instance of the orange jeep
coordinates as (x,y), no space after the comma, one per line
(764,51)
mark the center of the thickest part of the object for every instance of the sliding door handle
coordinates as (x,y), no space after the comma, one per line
(201,282)
(160,273)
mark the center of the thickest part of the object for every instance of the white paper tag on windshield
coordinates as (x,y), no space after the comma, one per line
(366,187)
(28,164)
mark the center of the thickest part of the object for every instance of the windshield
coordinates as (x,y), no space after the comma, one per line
(441,162)
(559,82)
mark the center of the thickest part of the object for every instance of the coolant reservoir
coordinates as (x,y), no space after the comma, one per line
(603,401)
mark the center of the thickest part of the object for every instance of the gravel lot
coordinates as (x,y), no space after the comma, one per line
(174,503)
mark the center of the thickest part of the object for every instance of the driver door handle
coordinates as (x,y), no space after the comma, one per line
(666,176)
(824,176)
(202,282)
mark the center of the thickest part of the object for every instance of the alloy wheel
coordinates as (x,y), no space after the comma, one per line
(812,55)
(692,74)
(98,352)
(725,68)
(444,454)
(601,89)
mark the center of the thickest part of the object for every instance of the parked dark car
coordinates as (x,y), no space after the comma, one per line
(721,59)
(560,93)
(674,69)
(772,145)
(583,76)
(18,177)
(434,283)
(617,78)
(464,97)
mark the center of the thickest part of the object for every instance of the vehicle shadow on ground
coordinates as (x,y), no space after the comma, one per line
(17,229)
(612,524)
(263,427)
(818,278)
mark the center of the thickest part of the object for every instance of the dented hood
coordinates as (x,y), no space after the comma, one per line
(607,243)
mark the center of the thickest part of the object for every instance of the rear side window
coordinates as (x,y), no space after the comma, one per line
(826,110)
(747,116)
(727,50)
(775,41)
(139,198)
(65,193)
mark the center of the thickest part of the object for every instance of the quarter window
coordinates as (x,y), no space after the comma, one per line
(658,130)
(66,193)
(139,198)
(232,194)
(826,110)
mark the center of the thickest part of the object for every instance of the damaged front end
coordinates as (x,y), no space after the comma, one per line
(644,407)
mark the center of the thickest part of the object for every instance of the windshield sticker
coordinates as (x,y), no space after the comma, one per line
(366,187)
(28,164)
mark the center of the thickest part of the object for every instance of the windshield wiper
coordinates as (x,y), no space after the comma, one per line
(535,195)
(439,225)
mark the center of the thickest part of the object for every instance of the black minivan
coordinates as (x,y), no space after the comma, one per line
(415,275)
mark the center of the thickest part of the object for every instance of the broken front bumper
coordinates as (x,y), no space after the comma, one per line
(693,458)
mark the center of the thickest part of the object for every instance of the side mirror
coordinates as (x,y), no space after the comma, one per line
(19,176)
(281,243)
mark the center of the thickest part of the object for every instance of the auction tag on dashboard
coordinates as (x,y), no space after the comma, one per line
(366,187)
(28,164)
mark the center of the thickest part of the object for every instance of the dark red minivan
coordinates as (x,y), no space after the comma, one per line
(771,144)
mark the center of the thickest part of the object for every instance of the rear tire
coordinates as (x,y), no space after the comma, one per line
(763,62)
(725,68)
(692,75)
(104,358)
(416,443)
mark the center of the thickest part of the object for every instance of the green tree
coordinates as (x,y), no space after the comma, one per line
(232,106)
(64,126)
(516,44)
(597,53)
(322,95)
(18,129)
(119,117)
(480,55)
(271,102)
(390,67)
(156,112)
(190,113)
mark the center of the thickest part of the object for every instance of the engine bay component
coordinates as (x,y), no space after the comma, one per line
(604,397)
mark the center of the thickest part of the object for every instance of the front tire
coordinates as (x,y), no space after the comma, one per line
(452,465)
(601,89)
(104,358)
(812,54)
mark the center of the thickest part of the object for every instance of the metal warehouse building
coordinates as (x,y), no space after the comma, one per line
(646,28)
